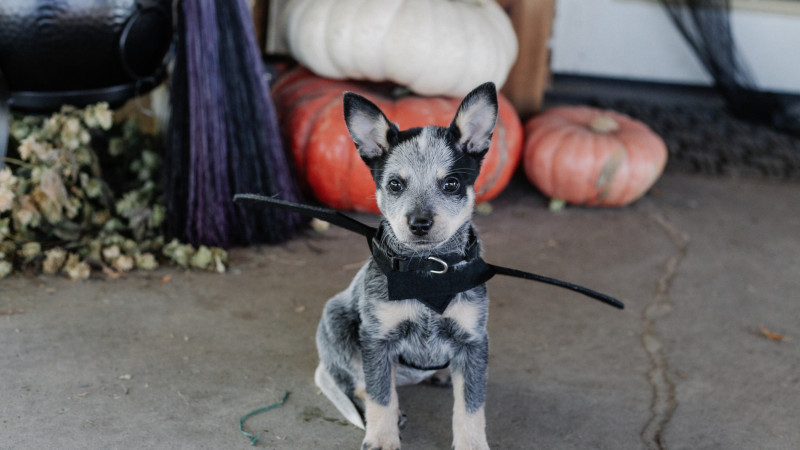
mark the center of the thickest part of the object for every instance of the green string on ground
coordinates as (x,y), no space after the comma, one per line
(254,437)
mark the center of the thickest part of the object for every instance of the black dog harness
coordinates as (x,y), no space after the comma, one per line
(433,279)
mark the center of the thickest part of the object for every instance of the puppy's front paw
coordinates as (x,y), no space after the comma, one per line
(383,432)
(469,430)
(381,445)
(383,438)
(470,446)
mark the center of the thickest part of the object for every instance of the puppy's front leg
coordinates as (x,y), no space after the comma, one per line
(469,370)
(382,406)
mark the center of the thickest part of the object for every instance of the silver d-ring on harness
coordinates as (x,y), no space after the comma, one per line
(444,265)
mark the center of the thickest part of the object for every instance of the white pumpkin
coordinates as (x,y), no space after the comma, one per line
(433,47)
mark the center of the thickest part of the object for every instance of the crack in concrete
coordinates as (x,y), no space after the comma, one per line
(663,403)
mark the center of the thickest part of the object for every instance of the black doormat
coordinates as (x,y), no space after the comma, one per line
(706,139)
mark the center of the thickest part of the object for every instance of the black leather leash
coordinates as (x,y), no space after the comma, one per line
(405,282)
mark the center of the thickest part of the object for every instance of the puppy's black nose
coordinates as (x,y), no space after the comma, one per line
(420,225)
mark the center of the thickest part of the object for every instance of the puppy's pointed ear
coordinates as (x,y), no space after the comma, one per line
(474,122)
(369,128)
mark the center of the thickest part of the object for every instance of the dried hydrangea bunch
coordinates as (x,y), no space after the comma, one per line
(79,193)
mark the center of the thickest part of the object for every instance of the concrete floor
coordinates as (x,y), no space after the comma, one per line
(702,265)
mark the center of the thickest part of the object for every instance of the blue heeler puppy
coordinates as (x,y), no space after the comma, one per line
(370,343)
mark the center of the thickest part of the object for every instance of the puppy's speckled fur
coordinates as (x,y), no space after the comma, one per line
(424,181)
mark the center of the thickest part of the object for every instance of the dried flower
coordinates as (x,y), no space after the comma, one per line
(91,186)
(30,250)
(93,251)
(7,248)
(5,229)
(202,258)
(7,179)
(52,185)
(57,193)
(123,263)
(98,116)
(99,218)
(146,261)
(50,210)
(83,156)
(129,201)
(116,146)
(157,216)
(6,199)
(75,268)
(26,215)
(179,253)
(71,126)
(32,149)
(220,259)
(20,129)
(113,224)
(5,269)
(54,260)
(111,253)
(129,246)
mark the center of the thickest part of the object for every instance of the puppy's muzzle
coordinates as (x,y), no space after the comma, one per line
(420,225)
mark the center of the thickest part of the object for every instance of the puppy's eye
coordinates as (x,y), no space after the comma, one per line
(451,185)
(395,185)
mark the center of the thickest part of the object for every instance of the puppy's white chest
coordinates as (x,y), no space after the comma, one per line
(393,313)
(466,315)
(427,324)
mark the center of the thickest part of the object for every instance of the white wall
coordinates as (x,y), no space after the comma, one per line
(637,40)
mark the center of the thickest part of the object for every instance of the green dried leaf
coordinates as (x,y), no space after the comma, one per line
(67,230)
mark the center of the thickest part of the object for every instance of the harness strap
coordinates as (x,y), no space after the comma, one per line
(328,215)
(403,361)
(608,300)
(477,272)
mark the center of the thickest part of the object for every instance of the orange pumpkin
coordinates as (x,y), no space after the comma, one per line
(311,116)
(587,156)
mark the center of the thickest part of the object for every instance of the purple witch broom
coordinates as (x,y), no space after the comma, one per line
(223,136)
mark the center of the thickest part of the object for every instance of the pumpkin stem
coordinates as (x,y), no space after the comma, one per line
(603,124)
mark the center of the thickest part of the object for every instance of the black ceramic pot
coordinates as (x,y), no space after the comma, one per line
(55,52)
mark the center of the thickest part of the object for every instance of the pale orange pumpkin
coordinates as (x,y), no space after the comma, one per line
(592,157)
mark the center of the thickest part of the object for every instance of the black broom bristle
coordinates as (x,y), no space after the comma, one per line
(223,137)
